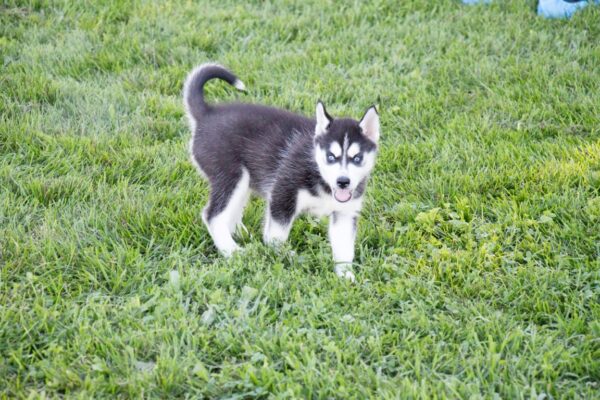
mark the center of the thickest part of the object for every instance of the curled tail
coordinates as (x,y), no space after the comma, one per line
(193,89)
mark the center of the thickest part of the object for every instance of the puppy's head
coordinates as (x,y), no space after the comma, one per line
(345,150)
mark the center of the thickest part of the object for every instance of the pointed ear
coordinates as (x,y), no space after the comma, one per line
(323,119)
(370,124)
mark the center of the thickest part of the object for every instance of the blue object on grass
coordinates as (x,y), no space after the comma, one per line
(560,8)
(475,1)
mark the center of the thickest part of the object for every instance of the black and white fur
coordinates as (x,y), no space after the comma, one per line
(297,164)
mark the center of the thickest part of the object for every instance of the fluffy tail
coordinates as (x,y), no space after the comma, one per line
(193,90)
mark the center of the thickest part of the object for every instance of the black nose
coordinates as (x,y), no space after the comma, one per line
(343,182)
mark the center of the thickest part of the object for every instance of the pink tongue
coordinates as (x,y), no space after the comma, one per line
(342,195)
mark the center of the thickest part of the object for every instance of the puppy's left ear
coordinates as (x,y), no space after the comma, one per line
(370,124)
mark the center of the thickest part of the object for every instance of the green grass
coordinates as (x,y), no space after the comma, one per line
(478,254)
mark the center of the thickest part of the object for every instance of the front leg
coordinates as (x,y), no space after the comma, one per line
(279,217)
(276,230)
(342,233)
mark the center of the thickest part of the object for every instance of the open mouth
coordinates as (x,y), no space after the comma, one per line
(342,195)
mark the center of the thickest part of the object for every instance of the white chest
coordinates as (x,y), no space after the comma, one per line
(324,204)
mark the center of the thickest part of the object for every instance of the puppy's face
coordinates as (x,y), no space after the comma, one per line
(345,150)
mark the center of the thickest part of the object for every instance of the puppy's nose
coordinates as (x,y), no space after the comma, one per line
(343,182)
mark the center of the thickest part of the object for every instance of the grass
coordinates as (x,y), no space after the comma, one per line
(478,255)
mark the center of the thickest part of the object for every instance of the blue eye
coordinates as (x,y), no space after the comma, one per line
(330,158)
(357,159)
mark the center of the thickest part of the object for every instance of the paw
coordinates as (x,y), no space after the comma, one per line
(275,233)
(274,241)
(345,271)
(281,249)
(229,251)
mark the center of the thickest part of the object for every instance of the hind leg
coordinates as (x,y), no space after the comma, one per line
(236,218)
(227,199)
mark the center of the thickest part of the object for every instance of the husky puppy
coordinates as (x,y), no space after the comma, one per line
(298,164)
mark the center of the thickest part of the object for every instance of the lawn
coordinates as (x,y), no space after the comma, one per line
(478,251)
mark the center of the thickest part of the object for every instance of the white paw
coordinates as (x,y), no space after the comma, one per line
(228,252)
(345,271)
(273,242)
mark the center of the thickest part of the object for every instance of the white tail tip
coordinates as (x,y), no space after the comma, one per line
(239,85)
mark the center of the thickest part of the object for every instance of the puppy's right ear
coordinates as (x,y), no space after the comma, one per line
(323,119)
